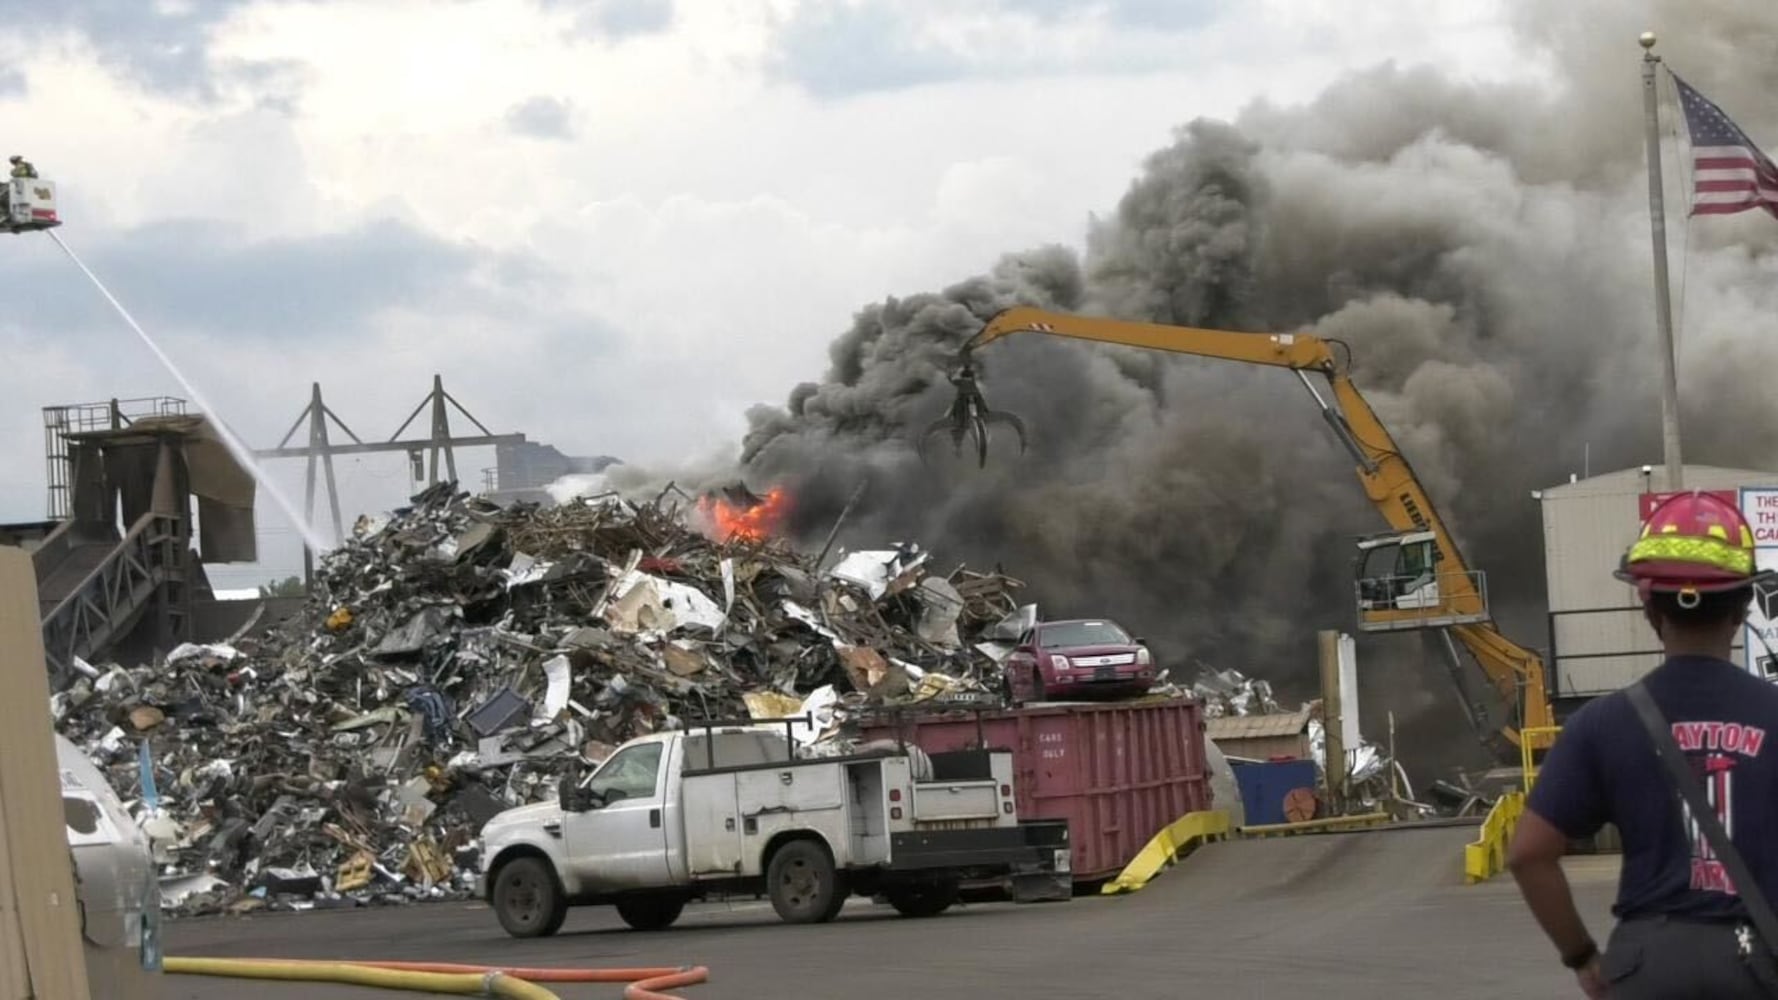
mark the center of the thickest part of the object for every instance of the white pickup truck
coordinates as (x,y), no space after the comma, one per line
(730,809)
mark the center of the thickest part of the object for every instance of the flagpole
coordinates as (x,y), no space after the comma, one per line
(1657,214)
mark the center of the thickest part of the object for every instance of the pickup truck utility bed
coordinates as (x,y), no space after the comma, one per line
(676,816)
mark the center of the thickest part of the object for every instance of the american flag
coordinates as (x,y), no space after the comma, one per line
(1729,173)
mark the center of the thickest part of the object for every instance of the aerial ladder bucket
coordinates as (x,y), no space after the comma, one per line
(28,202)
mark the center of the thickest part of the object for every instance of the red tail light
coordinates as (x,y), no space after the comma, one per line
(1005,791)
(895,795)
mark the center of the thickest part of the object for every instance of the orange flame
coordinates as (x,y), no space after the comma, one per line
(749,524)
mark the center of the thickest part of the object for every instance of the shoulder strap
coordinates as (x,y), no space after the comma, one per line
(1679,775)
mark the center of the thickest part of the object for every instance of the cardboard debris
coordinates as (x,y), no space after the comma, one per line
(455,655)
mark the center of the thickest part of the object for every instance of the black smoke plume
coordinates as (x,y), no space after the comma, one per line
(1484,249)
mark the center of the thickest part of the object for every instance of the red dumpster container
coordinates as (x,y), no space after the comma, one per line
(1117,772)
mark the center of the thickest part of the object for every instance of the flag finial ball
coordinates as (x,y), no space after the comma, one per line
(1647,39)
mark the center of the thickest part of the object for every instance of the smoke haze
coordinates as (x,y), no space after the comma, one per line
(1484,249)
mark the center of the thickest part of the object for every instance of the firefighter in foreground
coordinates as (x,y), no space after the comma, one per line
(1682,930)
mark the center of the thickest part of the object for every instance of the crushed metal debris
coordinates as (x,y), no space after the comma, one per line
(455,654)
(1374,780)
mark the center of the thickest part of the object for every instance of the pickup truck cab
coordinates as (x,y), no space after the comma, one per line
(676,816)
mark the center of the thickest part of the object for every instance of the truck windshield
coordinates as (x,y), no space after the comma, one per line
(1082,634)
(629,774)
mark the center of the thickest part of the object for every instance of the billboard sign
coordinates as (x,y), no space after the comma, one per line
(1760,507)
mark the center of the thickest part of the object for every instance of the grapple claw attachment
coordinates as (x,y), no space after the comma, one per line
(939,426)
(1017,425)
(969,416)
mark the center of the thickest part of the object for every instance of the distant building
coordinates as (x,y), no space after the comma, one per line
(1263,737)
(524,469)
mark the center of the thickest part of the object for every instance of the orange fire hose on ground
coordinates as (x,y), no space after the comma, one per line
(518,984)
(644,982)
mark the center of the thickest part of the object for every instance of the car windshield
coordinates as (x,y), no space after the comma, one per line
(1082,634)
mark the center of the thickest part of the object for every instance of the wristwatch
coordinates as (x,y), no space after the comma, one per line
(1579,959)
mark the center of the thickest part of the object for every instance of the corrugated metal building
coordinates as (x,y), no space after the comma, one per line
(1598,639)
(1262,737)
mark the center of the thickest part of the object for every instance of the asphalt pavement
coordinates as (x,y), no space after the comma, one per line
(1382,913)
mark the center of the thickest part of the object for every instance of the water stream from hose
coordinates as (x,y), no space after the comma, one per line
(241,452)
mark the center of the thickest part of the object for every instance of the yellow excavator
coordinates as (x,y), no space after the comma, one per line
(1413,577)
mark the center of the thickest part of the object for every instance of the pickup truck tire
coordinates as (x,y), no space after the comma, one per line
(928,899)
(650,913)
(527,900)
(803,883)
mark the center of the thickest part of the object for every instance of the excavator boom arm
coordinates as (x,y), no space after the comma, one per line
(1388,480)
(1284,350)
(1516,673)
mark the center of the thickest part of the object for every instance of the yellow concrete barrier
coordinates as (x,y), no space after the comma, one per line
(1182,834)
(1485,857)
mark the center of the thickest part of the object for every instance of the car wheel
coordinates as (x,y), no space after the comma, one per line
(527,900)
(803,884)
(650,913)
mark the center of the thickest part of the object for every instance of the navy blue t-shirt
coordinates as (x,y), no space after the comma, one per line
(1603,768)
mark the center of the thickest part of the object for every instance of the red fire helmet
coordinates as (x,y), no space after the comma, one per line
(1692,543)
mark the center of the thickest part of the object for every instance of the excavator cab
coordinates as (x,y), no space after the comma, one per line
(1400,586)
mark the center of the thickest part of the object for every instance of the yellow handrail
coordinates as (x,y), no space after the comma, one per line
(1530,741)
(1485,857)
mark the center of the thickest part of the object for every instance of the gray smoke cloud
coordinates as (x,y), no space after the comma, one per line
(1483,248)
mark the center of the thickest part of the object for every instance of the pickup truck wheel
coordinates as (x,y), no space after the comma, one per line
(803,884)
(650,913)
(527,900)
(927,899)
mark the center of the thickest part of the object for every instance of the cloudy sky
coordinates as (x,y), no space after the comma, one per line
(609,224)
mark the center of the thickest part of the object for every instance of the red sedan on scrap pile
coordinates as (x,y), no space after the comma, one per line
(1078,658)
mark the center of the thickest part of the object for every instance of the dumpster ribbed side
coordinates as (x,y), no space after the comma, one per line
(1117,772)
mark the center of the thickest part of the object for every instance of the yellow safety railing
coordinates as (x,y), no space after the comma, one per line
(1485,857)
(1531,740)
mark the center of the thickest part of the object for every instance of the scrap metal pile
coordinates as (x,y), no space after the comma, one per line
(454,655)
(1230,692)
